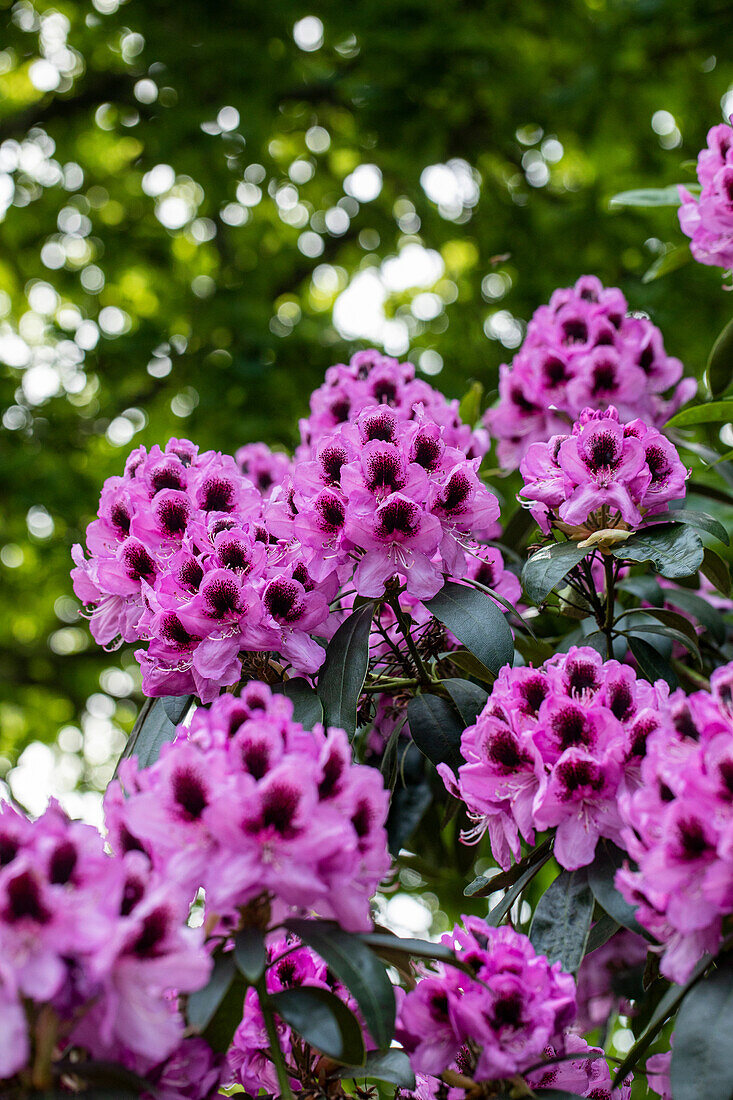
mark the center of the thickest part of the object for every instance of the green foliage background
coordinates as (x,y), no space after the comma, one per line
(236,309)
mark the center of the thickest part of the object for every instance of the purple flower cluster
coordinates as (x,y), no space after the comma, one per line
(708,219)
(555,747)
(679,827)
(496,1024)
(583,349)
(182,558)
(92,945)
(371,378)
(265,468)
(257,810)
(290,965)
(603,474)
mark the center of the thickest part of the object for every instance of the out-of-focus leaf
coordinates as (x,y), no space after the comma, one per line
(324,1021)
(701,1062)
(714,412)
(647,196)
(250,954)
(698,608)
(155,726)
(307,707)
(720,362)
(204,1002)
(670,260)
(392,1066)
(344,670)
(469,409)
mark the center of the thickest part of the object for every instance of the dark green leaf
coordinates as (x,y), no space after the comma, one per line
(720,362)
(358,968)
(386,944)
(319,1017)
(470,664)
(698,608)
(701,520)
(557,1094)
(469,699)
(204,1002)
(644,588)
(670,260)
(436,729)
(716,570)
(469,409)
(476,621)
(713,412)
(701,1061)
(601,932)
(601,875)
(647,196)
(155,726)
(650,661)
(228,1016)
(407,808)
(500,910)
(547,567)
(250,954)
(673,551)
(674,626)
(344,670)
(562,920)
(307,708)
(111,1075)
(482,886)
(392,1066)
(666,1007)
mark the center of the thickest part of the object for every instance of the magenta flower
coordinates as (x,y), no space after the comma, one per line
(708,218)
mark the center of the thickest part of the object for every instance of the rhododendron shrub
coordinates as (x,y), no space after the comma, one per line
(434,663)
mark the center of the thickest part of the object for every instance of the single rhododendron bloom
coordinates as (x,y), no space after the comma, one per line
(583,350)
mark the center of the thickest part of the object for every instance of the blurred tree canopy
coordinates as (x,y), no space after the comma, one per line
(187,190)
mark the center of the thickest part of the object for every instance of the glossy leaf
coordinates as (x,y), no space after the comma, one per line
(647,196)
(651,662)
(698,608)
(701,1062)
(701,520)
(601,932)
(720,362)
(716,570)
(562,919)
(319,1017)
(670,260)
(470,664)
(470,699)
(500,910)
(391,1065)
(307,707)
(358,968)
(408,806)
(155,726)
(674,551)
(344,670)
(601,875)
(713,412)
(547,567)
(250,954)
(484,885)
(436,729)
(476,621)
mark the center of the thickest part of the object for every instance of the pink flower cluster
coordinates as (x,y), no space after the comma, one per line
(583,349)
(181,558)
(388,495)
(265,468)
(371,378)
(100,940)
(496,1024)
(555,747)
(679,827)
(256,809)
(290,965)
(708,219)
(602,474)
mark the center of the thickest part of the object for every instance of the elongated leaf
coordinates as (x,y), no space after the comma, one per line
(500,910)
(562,919)
(220,1030)
(601,875)
(699,608)
(701,1062)
(385,944)
(407,808)
(647,629)
(720,362)
(469,409)
(108,1075)
(204,1002)
(358,968)
(392,1066)
(250,954)
(470,664)
(436,729)
(670,260)
(714,412)
(547,567)
(155,726)
(701,520)
(307,708)
(344,669)
(470,699)
(647,196)
(601,932)
(476,621)
(650,661)
(482,886)
(716,570)
(323,1021)
(666,1007)
(674,551)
